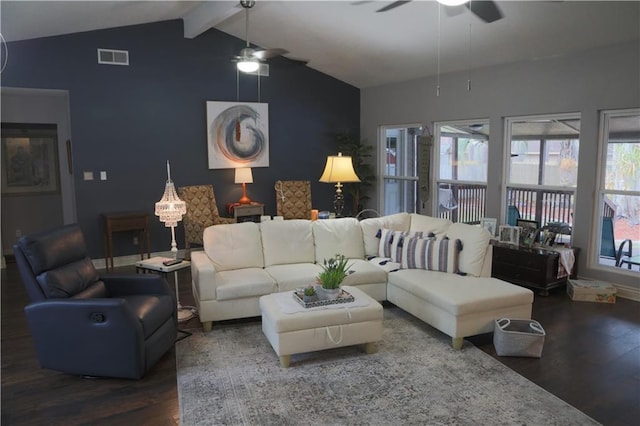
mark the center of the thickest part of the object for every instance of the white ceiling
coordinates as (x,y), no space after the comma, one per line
(349,40)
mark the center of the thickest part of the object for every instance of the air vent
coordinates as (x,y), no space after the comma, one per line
(113,57)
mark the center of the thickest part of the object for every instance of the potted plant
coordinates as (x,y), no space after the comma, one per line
(360,153)
(334,271)
(309,294)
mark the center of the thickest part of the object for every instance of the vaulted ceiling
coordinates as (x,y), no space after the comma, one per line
(349,40)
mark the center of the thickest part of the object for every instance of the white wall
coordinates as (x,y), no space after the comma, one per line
(586,82)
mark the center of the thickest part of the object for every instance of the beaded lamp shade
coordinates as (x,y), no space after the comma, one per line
(170,208)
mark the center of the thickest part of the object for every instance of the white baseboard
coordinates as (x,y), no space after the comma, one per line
(132,259)
(626,292)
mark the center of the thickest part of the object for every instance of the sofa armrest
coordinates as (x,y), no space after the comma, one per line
(203,274)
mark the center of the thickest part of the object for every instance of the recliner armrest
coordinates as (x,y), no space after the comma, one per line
(68,314)
(126,285)
(97,337)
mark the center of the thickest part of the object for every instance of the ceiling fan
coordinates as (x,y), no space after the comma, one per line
(486,10)
(249,59)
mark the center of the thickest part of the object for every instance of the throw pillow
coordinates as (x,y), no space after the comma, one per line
(391,243)
(434,255)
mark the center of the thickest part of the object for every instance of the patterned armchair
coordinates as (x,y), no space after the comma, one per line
(293,199)
(202,212)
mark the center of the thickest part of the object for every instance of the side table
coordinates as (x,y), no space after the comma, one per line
(120,222)
(246,212)
(155,264)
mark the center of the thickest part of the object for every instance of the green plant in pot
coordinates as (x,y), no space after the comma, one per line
(334,271)
(360,153)
(309,294)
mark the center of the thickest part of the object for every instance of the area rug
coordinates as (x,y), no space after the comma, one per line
(232,376)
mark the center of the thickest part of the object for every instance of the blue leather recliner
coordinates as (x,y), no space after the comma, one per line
(90,325)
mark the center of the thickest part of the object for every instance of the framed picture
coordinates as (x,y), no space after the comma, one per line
(489,224)
(523,223)
(30,165)
(237,135)
(509,234)
(529,236)
(548,238)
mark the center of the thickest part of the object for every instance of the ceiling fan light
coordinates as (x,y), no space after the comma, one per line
(452,2)
(248,65)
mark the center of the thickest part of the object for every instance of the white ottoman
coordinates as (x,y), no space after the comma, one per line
(292,329)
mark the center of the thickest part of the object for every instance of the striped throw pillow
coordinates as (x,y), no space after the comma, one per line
(391,243)
(431,254)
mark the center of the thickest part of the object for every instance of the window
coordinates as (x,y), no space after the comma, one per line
(619,188)
(543,170)
(462,154)
(400,168)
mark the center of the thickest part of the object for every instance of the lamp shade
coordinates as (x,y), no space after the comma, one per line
(170,208)
(339,168)
(244,175)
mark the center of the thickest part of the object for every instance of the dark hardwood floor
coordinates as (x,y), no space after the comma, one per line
(591,359)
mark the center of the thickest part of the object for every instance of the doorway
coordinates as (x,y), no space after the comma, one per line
(41,195)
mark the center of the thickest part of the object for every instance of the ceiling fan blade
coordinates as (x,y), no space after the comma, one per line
(486,10)
(269,53)
(392,5)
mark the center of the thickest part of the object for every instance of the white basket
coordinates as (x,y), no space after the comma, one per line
(518,337)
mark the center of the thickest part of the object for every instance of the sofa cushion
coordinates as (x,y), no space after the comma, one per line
(475,241)
(371,226)
(428,224)
(364,272)
(431,254)
(233,246)
(391,243)
(384,263)
(460,295)
(239,283)
(338,236)
(287,241)
(292,276)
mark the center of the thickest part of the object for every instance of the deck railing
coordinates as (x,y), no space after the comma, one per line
(466,203)
(462,203)
(543,205)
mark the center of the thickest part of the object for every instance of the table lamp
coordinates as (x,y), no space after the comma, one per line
(170,210)
(339,169)
(244,176)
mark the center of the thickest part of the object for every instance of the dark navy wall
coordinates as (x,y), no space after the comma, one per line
(128,120)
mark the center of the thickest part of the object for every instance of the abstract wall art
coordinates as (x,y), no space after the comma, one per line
(237,134)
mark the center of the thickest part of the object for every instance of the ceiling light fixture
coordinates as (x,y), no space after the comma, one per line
(248,65)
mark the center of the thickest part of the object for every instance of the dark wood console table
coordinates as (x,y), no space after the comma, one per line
(532,267)
(120,222)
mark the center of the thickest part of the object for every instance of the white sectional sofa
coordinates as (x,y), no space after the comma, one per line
(241,262)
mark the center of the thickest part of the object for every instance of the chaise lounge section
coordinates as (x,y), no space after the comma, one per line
(436,270)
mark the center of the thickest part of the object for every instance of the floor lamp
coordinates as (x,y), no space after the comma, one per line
(170,210)
(339,169)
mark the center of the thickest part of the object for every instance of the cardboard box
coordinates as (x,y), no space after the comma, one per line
(591,291)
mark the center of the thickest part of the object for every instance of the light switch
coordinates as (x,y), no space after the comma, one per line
(103,175)
(88,175)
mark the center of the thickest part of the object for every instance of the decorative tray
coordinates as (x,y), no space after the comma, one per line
(343,297)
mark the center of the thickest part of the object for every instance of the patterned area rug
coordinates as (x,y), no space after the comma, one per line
(232,376)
